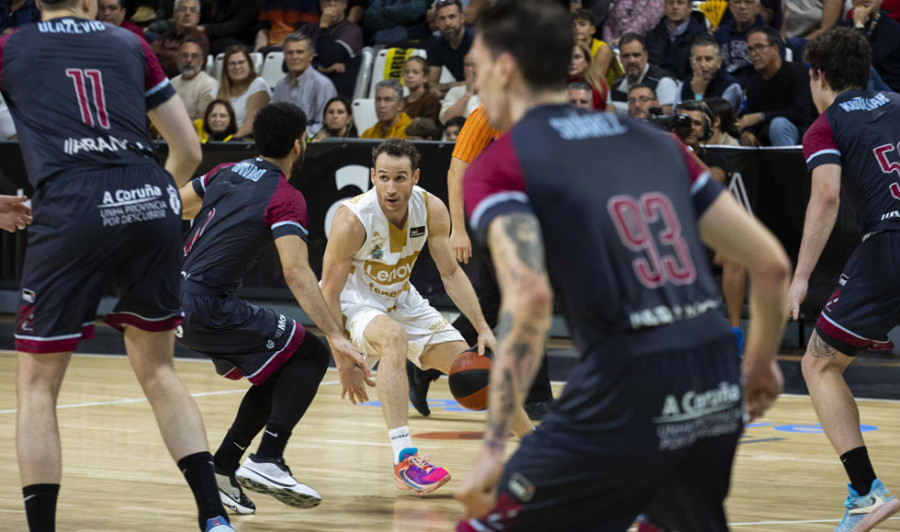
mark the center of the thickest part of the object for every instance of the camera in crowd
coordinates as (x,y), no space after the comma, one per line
(676,122)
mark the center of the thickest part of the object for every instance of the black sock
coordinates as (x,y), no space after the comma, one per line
(274,440)
(198,470)
(40,506)
(859,469)
(228,456)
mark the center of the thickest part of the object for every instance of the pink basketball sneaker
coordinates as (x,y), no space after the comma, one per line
(415,473)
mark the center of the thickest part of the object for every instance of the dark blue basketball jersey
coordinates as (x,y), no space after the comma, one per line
(246,206)
(860,132)
(618,203)
(79,91)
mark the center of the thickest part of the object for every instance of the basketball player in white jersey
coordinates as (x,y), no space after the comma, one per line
(374,241)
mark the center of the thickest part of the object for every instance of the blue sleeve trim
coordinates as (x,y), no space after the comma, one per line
(159,94)
(495,210)
(281,229)
(823,157)
(197,183)
(705,195)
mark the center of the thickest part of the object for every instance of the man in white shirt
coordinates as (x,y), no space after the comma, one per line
(304,86)
(195,87)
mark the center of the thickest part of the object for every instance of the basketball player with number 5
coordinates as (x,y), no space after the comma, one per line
(105,213)
(374,242)
(571,199)
(854,142)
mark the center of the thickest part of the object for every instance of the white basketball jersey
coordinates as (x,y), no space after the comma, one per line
(382,266)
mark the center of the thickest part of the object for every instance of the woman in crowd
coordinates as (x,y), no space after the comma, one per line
(240,85)
(218,123)
(580,70)
(725,125)
(338,121)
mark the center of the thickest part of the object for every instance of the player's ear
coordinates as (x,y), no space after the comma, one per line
(372,175)
(416,177)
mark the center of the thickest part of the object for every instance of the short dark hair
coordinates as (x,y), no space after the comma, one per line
(705,40)
(643,86)
(458,121)
(396,147)
(772,35)
(843,55)
(440,4)
(423,127)
(512,27)
(276,127)
(632,37)
(584,14)
(694,105)
(190,41)
(342,100)
(232,120)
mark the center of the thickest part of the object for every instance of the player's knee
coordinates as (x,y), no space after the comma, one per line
(39,378)
(393,342)
(821,358)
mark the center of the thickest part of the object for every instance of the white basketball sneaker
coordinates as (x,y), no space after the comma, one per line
(273,477)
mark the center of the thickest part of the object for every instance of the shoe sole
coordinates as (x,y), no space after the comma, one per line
(403,485)
(233,505)
(877,516)
(285,495)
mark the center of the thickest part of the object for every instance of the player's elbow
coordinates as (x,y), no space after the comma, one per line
(192,154)
(772,268)
(535,302)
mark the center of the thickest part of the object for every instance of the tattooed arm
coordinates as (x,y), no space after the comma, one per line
(821,214)
(526,306)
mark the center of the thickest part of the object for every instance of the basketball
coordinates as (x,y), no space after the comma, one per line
(469,378)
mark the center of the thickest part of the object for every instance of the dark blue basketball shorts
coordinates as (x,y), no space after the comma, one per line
(242,339)
(865,305)
(120,227)
(652,432)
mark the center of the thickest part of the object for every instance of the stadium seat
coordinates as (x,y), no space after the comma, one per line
(380,63)
(364,114)
(217,67)
(364,77)
(271,68)
(210,64)
(257,59)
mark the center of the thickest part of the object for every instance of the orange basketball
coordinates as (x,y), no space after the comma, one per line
(469,378)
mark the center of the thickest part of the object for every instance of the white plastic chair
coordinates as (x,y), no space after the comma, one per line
(364,114)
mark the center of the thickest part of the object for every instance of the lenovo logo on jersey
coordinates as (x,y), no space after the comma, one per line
(390,273)
(248,171)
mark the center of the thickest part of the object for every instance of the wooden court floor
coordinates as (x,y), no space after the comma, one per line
(117,475)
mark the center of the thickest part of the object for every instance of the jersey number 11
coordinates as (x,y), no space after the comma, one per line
(79,79)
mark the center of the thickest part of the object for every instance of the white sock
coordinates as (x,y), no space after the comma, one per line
(399,440)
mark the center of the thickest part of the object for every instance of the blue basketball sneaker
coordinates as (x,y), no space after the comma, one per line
(864,512)
(218,524)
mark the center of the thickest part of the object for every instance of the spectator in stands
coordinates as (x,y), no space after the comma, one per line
(725,124)
(771,11)
(632,16)
(218,123)
(634,58)
(113,12)
(240,85)
(337,40)
(280,18)
(708,79)
(7,127)
(883,34)
(304,86)
(669,43)
(603,59)
(392,121)
(356,11)
(732,38)
(641,99)
(195,87)
(462,100)
(337,121)
(805,19)
(14,13)
(420,101)
(581,71)
(397,20)
(581,96)
(453,127)
(451,48)
(423,129)
(779,101)
(187,15)
(225,22)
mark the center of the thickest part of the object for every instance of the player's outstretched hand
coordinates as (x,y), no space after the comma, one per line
(763,383)
(462,246)
(353,372)
(487,340)
(14,213)
(478,493)
(796,295)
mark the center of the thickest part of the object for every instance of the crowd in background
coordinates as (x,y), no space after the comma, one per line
(635,57)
